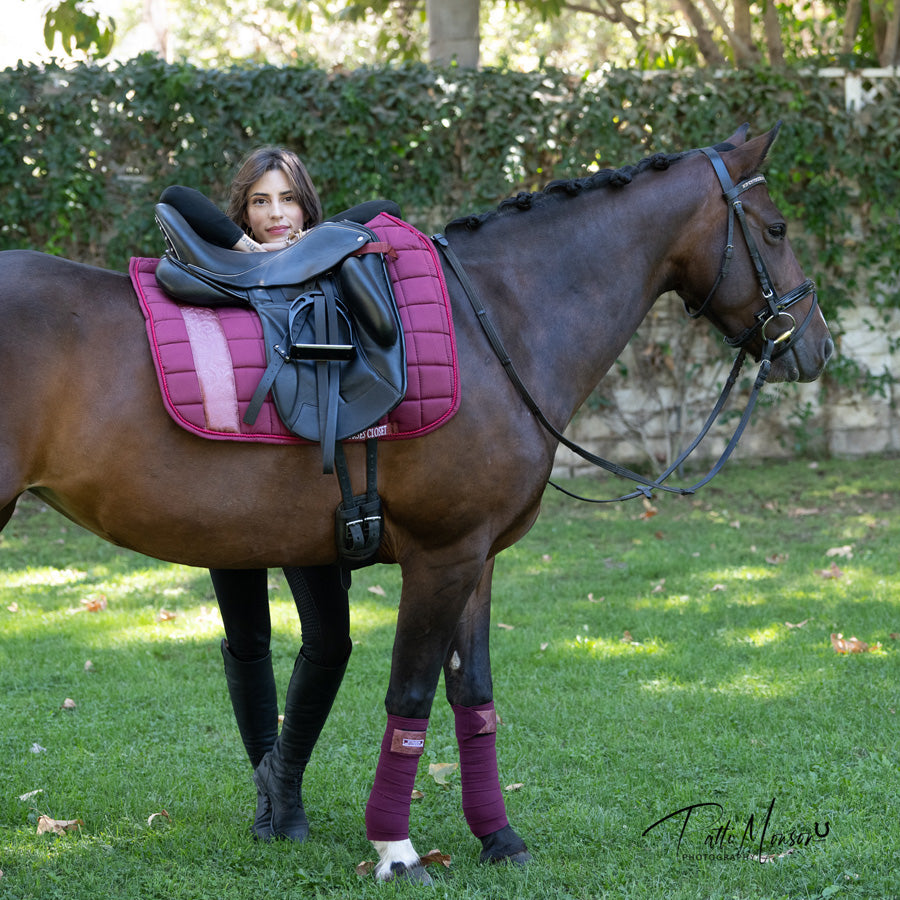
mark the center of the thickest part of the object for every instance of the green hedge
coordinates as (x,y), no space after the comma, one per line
(85,151)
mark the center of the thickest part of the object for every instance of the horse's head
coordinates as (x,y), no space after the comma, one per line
(741,272)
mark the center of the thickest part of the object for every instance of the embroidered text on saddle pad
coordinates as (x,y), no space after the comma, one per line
(210,360)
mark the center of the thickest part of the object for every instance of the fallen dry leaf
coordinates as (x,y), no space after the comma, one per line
(627,638)
(13,607)
(68,703)
(365,867)
(649,510)
(46,825)
(378,590)
(804,511)
(658,588)
(417,795)
(441,772)
(594,599)
(30,795)
(166,615)
(797,625)
(718,587)
(544,646)
(161,814)
(94,604)
(88,666)
(517,786)
(505,626)
(848,645)
(435,858)
(893,635)
(833,571)
(776,559)
(37,748)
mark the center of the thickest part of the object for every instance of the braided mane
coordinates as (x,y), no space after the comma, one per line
(569,188)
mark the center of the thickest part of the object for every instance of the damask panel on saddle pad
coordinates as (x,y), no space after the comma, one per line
(210,360)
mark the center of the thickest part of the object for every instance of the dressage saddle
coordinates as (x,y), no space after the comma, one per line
(336,357)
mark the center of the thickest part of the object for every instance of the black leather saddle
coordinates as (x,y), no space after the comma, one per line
(334,341)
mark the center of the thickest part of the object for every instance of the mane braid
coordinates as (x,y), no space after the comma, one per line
(568,188)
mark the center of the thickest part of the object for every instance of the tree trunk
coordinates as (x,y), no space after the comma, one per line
(453,32)
(745,53)
(742,22)
(852,18)
(774,43)
(706,43)
(887,54)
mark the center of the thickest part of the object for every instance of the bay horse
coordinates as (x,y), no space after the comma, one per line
(567,274)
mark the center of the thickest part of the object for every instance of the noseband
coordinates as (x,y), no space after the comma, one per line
(775,307)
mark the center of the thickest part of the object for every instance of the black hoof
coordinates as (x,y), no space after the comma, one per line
(504,847)
(413,874)
(523,857)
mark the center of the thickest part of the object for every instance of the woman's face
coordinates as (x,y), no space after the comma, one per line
(273,208)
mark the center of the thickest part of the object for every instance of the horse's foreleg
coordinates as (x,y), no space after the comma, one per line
(467,676)
(431,603)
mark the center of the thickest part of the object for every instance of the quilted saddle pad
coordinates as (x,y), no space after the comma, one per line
(210,360)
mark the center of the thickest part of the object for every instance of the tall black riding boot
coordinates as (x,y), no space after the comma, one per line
(279,777)
(251,686)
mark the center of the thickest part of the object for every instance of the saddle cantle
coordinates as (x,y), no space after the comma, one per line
(333,336)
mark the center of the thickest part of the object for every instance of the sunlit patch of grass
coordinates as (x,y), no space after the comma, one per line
(45,576)
(756,637)
(613,647)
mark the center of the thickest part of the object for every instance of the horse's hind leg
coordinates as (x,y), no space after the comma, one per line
(467,676)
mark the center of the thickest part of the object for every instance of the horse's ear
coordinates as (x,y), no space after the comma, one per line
(735,140)
(746,159)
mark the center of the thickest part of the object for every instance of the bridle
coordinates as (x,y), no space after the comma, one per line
(775,307)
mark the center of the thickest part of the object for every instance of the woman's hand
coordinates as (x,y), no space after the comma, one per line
(288,241)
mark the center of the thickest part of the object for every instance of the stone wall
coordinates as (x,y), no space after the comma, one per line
(655,400)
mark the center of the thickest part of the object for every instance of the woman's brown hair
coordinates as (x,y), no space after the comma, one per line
(263,160)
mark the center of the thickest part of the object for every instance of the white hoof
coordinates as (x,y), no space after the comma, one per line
(398,859)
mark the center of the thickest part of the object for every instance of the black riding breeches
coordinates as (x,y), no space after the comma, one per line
(322,604)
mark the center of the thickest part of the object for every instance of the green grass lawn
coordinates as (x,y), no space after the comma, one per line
(643,664)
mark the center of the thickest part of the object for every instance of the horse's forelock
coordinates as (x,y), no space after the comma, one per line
(570,187)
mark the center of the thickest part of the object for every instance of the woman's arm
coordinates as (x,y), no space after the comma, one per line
(207,219)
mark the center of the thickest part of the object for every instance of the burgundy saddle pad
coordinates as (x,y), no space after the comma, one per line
(210,360)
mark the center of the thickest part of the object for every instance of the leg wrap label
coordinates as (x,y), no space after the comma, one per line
(409,743)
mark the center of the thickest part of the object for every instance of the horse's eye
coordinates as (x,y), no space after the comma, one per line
(777,232)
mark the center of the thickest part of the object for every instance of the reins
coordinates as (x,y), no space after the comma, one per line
(774,309)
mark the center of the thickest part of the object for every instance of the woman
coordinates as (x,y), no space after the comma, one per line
(272,202)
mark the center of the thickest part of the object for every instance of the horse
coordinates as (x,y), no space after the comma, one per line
(567,275)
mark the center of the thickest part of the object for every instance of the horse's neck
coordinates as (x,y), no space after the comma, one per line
(569,286)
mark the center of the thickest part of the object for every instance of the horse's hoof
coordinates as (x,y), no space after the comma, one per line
(413,874)
(521,858)
(504,846)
